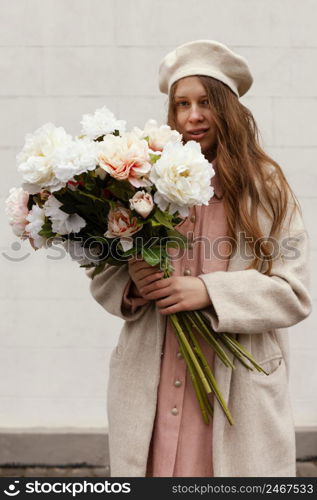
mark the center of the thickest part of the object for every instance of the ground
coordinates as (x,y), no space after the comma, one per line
(304,469)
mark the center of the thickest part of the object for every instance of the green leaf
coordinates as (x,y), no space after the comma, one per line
(132,251)
(152,255)
(154,223)
(91,196)
(68,209)
(46,229)
(121,189)
(90,183)
(177,238)
(163,218)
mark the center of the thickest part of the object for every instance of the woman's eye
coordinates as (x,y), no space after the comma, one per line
(181,103)
(205,101)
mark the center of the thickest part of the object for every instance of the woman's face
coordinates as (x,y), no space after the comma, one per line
(194,118)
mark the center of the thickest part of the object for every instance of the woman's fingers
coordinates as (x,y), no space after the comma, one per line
(138,265)
(149,278)
(146,271)
(146,275)
(156,289)
(166,301)
(143,274)
(156,294)
(173,309)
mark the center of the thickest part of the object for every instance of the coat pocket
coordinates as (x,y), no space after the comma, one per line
(272,365)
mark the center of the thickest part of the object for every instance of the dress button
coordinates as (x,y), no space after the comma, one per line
(174,411)
(179,355)
(193,218)
(177,383)
(187,272)
(190,245)
(162,353)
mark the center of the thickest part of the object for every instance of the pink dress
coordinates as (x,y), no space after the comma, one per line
(181,444)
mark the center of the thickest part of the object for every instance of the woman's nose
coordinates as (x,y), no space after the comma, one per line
(195,114)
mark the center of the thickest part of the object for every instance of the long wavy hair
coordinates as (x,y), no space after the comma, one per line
(246,182)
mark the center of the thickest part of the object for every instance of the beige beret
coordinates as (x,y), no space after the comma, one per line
(205,57)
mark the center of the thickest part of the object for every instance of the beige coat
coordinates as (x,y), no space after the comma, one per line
(254,307)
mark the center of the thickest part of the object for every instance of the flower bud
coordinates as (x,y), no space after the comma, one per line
(142,203)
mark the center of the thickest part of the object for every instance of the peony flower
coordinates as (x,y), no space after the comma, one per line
(122,224)
(74,158)
(126,158)
(36,160)
(36,218)
(17,209)
(142,203)
(182,178)
(158,136)
(102,122)
(62,222)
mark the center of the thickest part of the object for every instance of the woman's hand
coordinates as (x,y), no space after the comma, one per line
(142,274)
(177,293)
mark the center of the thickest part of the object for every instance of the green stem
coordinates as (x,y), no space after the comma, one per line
(212,379)
(233,345)
(205,398)
(199,389)
(236,345)
(187,346)
(196,320)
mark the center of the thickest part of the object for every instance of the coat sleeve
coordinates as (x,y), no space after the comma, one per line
(249,301)
(110,288)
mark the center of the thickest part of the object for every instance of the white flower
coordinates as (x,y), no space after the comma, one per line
(36,160)
(125,158)
(182,178)
(142,203)
(100,123)
(158,136)
(74,158)
(62,222)
(36,218)
(126,243)
(16,209)
(80,254)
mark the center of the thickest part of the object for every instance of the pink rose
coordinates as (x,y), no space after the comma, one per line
(142,203)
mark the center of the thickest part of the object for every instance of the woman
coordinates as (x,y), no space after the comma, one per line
(253,285)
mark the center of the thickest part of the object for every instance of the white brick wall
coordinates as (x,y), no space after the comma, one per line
(62,58)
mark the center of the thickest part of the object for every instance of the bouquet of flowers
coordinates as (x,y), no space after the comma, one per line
(108,194)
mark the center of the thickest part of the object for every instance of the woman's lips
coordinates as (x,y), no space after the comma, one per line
(198,135)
